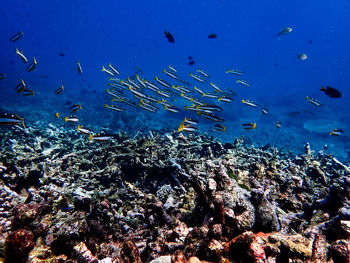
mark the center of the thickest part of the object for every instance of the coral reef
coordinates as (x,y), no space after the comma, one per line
(168,198)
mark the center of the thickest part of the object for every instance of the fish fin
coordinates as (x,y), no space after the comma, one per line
(65,119)
(103,68)
(106,106)
(243,100)
(90,137)
(186,107)
(322,88)
(219,98)
(181,127)
(254,125)
(203,94)
(78,127)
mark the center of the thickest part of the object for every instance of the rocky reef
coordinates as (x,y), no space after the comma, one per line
(167,198)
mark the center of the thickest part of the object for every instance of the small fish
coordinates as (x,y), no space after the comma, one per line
(243,82)
(198,78)
(186,128)
(336,132)
(186,97)
(212,107)
(172,69)
(115,108)
(61,54)
(212,36)
(28,92)
(191,121)
(113,69)
(198,90)
(137,93)
(2,76)
(249,103)
(210,116)
(219,128)
(169,36)
(314,101)
(11,119)
(278,124)
(163,93)
(71,119)
(205,74)
(57,115)
(234,72)
(331,92)
(301,56)
(101,137)
(75,107)
(163,82)
(147,106)
(79,68)
(211,96)
(215,87)
(285,31)
(59,90)
(225,99)
(83,130)
(109,72)
(142,83)
(21,56)
(171,74)
(20,87)
(32,65)
(16,36)
(171,109)
(264,111)
(249,126)
(191,63)
(150,85)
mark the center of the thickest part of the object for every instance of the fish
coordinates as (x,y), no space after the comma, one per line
(115,108)
(59,90)
(211,96)
(285,31)
(331,92)
(162,82)
(234,72)
(171,74)
(169,36)
(171,109)
(210,116)
(249,126)
(150,85)
(142,83)
(101,137)
(301,56)
(109,72)
(278,124)
(249,103)
(2,76)
(113,69)
(57,115)
(28,92)
(21,56)
(202,72)
(83,130)
(264,111)
(191,121)
(11,119)
(219,127)
(336,132)
(137,93)
(185,96)
(198,78)
(225,99)
(71,119)
(215,87)
(147,106)
(75,107)
(126,101)
(211,107)
(79,68)
(186,128)
(243,82)
(16,36)
(172,69)
(191,63)
(32,65)
(198,90)
(61,54)
(212,36)
(314,101)
(190,57)
(21,86)
(163,93)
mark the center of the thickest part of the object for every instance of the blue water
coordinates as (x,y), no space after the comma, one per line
(131,33)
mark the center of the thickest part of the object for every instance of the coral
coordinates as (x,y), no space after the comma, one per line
(18,244)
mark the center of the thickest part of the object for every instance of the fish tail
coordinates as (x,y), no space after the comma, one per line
(181,127)
(243,100)
(90,137)
(65,119)
(322,88)
(219,98)
(106,106)
(254,125)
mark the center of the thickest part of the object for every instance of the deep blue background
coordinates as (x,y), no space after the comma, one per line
(130,33)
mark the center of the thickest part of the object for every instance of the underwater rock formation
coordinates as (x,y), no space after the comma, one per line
(161,198)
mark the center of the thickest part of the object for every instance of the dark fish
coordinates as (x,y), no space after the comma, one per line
(10,119)
(16,36)
(190,58)
(61,54)
(331,92)
(2,76)
(310,41)
(191,63)
(32,65)
(169,36)
(44,76)
(212,36)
